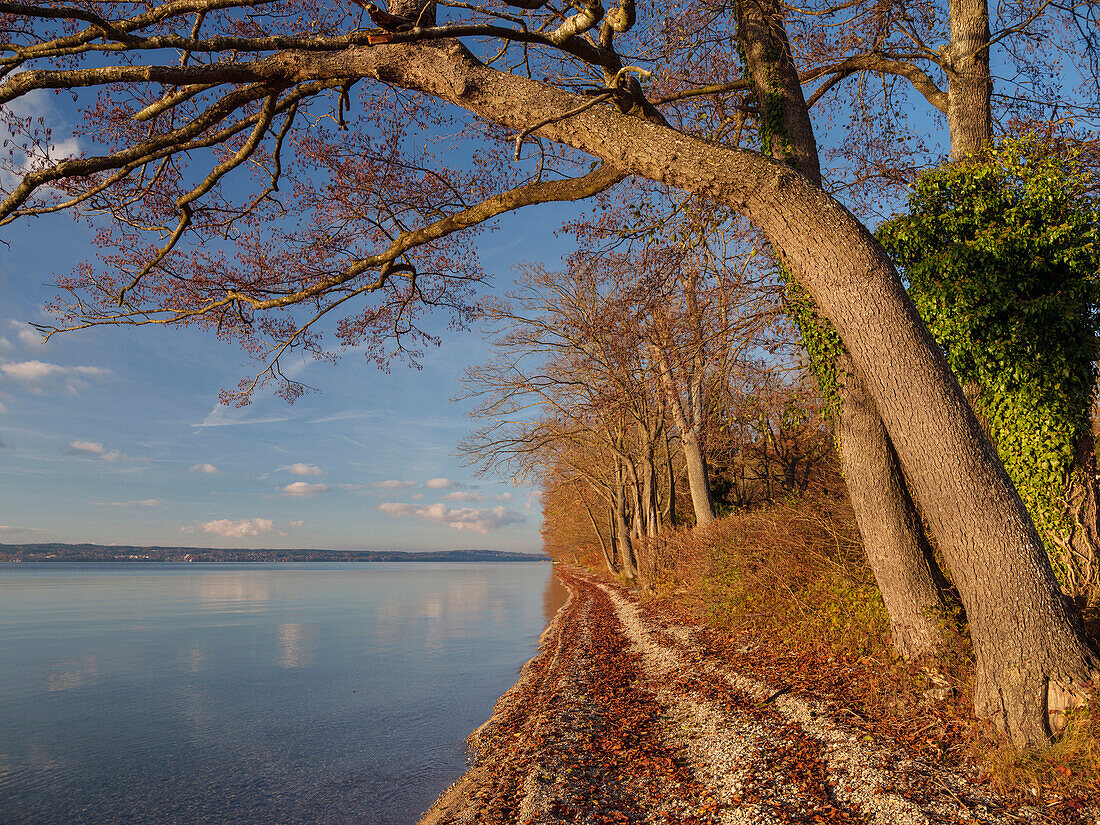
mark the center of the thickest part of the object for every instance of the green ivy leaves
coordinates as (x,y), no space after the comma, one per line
(1001,254)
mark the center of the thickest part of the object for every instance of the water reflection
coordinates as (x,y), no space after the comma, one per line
(72,673)
(296,644)
(157,695)
(554,597)
(237,592)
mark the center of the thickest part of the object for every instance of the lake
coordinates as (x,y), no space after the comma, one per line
(252,693)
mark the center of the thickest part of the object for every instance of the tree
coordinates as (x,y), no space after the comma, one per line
(238,81)
(890,527)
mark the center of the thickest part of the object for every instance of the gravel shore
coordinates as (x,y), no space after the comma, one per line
(624,717)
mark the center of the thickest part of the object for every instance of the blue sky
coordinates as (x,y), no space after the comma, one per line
(115,436)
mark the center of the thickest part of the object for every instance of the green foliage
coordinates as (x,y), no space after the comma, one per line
(819,338)
(1001,254)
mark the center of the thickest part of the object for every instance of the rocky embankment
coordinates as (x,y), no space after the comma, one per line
(626,717)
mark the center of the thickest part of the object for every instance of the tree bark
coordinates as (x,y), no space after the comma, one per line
(670,511)
(892,534)
(622,528)
(969,83)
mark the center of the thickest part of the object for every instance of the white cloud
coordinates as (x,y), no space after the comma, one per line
(204,468)
(462,518)
(230,529)
(463,495)
(5,344)
(147,502)
(294,525)
(302,489)
(29,337)
(393,485)
(504,497)
(37,370)
(442,484)
(300,469)
(93,449)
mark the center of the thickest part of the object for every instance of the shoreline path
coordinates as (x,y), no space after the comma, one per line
(623,717)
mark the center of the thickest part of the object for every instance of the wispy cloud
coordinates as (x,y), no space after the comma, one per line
(303,489)
(300,469)
(29,337)
(223,416)
(504,497)
(230,529)
(37,370)
(147,502)
(463,518)
(7,530)
(39,376)
(346,415)
(96,450)
(393,485)
(464,495)
(209,469)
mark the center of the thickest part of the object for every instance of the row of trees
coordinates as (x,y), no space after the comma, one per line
(230,191)
(633,385)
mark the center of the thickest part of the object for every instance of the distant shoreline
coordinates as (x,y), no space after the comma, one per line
(47,553)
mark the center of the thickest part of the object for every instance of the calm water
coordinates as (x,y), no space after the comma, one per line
(259,694)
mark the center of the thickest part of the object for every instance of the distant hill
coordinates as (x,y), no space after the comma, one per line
(51,552)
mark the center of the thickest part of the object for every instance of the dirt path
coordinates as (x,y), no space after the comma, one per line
(623,719)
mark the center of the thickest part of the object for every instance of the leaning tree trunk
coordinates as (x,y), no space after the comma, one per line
(1031,655)
(893,537)
(891,531)
(698,482)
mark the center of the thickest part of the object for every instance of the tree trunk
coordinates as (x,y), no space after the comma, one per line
(893,537)
(670,511)
(1032,657)
(649,493)
(969,83)
(622,529)
(888,523)
(698,483)
(608,560)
